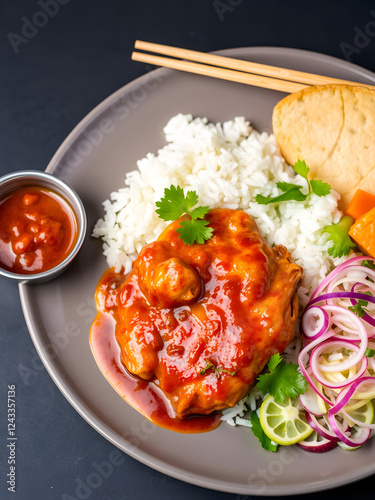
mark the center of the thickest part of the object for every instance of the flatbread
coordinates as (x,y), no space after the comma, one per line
(332,128)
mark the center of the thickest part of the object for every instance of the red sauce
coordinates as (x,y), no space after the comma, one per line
(145,396)
(38,229)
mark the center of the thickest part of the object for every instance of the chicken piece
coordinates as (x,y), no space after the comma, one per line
(170,283)
(203,320)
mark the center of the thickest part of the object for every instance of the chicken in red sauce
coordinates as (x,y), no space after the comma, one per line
(202,320)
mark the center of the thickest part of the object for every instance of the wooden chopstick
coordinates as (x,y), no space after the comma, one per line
(222,73)
(262,75)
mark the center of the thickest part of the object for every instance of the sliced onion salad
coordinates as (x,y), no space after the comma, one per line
(338,327)
(316,443)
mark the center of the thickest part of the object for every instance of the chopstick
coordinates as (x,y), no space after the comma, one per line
(224,74)
(236,70)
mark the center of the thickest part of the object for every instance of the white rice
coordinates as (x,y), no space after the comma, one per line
(227,165)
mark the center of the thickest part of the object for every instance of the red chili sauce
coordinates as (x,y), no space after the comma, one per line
(145,396)
(38,229)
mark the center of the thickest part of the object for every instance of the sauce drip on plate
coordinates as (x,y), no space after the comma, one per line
(143,395)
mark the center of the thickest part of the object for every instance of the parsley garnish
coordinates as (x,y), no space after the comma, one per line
(369,353)
(359,307)
(292,192)
(368,263)
(338,233)
(218,371)
(259,433)
(283,381)
(174,204)
(371,265)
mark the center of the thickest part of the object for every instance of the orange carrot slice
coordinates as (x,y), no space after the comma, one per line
(363,232)
(361,203)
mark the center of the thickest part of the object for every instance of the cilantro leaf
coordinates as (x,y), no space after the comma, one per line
(292,192)
(194,230)
(285,186)
(320,188)
(368,263)
(283,381)
(199,212)
(338,233)
(359,307)
(371,265)
(286,382)
(301,168)
(174,204)
(259,433)
(274,361)
(191,198)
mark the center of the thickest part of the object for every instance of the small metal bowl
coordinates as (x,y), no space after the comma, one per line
(25,178)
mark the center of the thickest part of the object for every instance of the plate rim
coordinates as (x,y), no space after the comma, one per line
(68,391)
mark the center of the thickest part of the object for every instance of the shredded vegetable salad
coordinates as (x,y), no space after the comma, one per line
(337,359)
(327,399)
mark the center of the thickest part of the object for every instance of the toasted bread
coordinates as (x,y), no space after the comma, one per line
(332,128)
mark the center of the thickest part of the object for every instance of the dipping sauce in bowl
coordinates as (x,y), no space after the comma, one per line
(38,230)
(42,226)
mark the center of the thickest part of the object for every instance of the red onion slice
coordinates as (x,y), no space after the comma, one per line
(347,394)
(315,322)
(316,444)
(316,368)
(341,295)
(337,270)
(320,429)
(362,434)
(303,359)
(309,401)
(357,422)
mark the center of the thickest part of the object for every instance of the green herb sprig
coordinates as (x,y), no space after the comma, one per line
(369,353)
(174,204)
(292,192)
(218,371)
(283,380)
(338,234)
(368,263)
(360,307)
(259,433)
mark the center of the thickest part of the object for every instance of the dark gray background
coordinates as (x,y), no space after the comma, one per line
(57,76)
